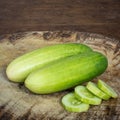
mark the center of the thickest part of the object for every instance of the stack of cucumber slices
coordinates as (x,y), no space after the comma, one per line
(84,96)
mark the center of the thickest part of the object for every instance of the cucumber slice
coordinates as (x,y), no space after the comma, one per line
(71,104)
(107,89)
(92,87)
(83,94)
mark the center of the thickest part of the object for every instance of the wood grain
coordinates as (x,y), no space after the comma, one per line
(17,103)
(94,16)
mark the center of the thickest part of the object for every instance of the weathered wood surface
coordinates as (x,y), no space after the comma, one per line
(97,16)
(17,103)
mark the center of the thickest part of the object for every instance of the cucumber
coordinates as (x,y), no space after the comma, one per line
(71,104)
(19,68)
(92,87)
(66,73)
(107,89)
(83,94)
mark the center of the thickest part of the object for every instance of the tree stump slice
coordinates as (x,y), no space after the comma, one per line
(18,103)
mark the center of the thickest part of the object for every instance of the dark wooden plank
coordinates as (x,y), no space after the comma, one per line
(93,16)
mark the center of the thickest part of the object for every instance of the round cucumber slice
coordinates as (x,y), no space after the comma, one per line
(107,89)
(92,87)
(83,94)
(71,104)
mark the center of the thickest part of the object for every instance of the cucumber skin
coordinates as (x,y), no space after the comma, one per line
(19,68)
(66,73)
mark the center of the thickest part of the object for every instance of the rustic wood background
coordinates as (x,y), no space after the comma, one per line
(96,16)
(18,103)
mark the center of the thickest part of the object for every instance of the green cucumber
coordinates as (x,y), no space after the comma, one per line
(66,73)
(107,89)
(22,66)
(83,94)
(71,104)
(92,87)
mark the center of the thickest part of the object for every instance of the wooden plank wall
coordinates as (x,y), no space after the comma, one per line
(96,16)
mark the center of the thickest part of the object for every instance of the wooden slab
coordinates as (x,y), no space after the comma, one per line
(17,103)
